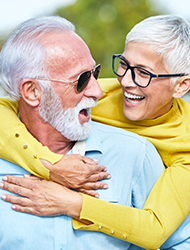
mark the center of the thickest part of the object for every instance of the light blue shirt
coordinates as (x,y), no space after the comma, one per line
(134,165)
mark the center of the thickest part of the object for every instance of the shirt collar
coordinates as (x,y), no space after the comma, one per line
(92,143)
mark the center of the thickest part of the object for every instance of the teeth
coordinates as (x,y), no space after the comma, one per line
(130,96)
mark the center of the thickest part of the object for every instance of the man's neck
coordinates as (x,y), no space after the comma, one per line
(50,137)
(46,134)
(59,144)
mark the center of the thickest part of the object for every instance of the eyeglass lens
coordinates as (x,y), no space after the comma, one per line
(85,77)
(140,76)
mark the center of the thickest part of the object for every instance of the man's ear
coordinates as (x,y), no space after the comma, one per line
(30,91)
(182,86)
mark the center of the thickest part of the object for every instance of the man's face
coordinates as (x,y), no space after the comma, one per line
(66,120)
(67,57)
(156,99)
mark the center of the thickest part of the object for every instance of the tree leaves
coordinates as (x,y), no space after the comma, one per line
(103,25)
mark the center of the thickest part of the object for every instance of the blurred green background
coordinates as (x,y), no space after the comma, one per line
(103,25)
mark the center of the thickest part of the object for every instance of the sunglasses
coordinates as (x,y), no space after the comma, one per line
(82,80)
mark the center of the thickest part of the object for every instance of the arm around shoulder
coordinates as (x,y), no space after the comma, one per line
(25,150)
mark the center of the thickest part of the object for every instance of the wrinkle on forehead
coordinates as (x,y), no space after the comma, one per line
(145,55)
(66,50)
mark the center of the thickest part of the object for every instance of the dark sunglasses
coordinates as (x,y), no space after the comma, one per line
(82,80)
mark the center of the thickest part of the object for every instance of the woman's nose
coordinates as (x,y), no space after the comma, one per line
(127,80)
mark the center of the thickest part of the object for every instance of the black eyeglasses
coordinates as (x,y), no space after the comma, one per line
(140,76)
(82,80)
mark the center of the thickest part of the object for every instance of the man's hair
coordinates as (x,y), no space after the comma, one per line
(169,36)
(23,55)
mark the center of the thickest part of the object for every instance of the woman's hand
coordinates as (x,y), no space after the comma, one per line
(41,197)
(78,172)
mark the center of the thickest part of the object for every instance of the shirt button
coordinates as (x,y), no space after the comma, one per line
(17,135)
(35,156)
(25,146)
(112,232)
(100,227)
(124,237)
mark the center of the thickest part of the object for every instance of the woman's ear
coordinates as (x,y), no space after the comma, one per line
(182,86)
(30,91)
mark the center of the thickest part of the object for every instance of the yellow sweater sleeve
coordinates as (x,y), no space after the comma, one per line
(150,227)
(18,145)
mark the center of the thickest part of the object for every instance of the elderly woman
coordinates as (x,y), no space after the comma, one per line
(153,72)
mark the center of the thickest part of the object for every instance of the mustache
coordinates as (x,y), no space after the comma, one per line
(87,103)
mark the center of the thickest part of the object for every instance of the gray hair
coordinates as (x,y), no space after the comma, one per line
(23,55)
(169,36)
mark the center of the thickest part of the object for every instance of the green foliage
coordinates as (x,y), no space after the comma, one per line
(1,43)
(103,25)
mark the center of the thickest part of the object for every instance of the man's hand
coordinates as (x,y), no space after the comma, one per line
(41,197)
(78,172)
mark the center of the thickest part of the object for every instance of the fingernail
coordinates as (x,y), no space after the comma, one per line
(4,178)
(97,196)
(13,207)
(109,176)
(1,185)
(105,186)
(3,197)
(105,169)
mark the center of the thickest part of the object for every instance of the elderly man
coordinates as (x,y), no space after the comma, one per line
(48,68)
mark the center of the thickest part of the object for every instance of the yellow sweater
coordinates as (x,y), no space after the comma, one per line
(169,202)
(18,145)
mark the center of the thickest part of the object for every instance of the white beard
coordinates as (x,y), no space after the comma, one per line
(66,121)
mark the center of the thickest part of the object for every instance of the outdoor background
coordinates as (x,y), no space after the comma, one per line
(103,24)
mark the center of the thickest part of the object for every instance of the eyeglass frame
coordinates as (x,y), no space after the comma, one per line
(137,67)
(74,83)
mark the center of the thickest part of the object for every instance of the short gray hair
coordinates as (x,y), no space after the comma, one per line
(169,36)
(23,55)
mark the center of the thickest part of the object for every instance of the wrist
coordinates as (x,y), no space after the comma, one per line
(75,207)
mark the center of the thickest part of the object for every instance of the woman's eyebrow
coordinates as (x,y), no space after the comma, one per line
(138,64)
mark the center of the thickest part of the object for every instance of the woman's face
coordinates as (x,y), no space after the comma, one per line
(154,100)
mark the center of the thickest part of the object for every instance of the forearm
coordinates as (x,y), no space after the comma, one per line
(27,155)
(122,222)
(163,212)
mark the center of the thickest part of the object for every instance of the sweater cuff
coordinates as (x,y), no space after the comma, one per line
(100,213)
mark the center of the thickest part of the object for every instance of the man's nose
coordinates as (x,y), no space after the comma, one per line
(93,89)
